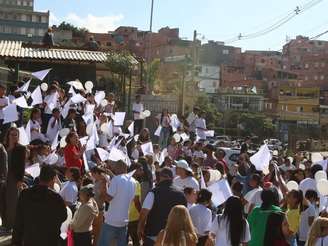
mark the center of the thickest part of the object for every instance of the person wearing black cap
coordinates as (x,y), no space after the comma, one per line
(157,206)
(40,213)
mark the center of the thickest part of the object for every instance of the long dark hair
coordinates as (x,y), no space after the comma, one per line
(269,197)
(233,212)
(273,230)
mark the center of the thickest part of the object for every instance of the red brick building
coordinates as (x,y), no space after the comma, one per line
(308,59)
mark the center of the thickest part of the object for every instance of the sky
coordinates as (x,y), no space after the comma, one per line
(219,20)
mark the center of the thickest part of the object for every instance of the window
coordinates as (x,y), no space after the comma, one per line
(300,109)
(306,65)
(306,78)
(19,2)
(24,3)
(206,70)
(315,77)
(225,52)
(262,61)
(322,77)
(316,64)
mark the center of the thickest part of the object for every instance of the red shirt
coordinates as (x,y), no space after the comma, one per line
(70,152)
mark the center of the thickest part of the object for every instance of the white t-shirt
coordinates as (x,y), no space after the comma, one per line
(69,192)
(122,188)
(222,232)
(52,131)
(201,217)
(304,224)
(4,101)
(137,107)
(35,127)
(200,124)
(307,184)
(52,102)
(180,184)
(253,197)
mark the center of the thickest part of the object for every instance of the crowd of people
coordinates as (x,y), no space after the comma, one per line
(80,172)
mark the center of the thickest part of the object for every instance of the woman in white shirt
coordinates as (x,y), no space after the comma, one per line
(35,126)
(184,177)
(69,191)
(201,216)
(231,228)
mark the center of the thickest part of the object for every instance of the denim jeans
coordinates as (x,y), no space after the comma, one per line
(164,137)
(109,233)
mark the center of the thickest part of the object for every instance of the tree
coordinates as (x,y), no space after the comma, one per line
(213,117)
(76,31)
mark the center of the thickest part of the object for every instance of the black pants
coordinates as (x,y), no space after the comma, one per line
(82,239)
(148,242)
(138,125)
(202,241)
(133,232)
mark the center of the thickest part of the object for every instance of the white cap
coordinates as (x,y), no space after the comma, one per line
(183,164)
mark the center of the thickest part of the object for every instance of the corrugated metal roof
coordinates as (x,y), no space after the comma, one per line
(15,49)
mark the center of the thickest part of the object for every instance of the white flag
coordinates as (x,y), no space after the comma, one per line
(10,113)
(131,129)
(23,137)
(220,192)
(24,87)
(36,96)
(21,102)
(261,159)
(41,74)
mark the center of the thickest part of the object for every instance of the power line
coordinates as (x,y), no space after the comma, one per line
(298,10)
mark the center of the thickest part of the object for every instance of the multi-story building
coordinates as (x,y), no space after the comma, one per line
(209,78)
(240,99)
(19,21)
(217,53)
(294,102)
(308,59)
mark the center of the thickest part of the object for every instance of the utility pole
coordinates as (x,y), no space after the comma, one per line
(150,41)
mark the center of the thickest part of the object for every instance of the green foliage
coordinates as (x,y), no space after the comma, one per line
(213,117)
(76,31)
(119,63)
(153,71)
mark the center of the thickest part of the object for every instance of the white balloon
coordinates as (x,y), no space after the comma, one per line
(44,87)
(145,114)
(88,85)
(322,187)
(320,175)
(104,103)
(63,143)
(177,137)
(64,132)
(292,185)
